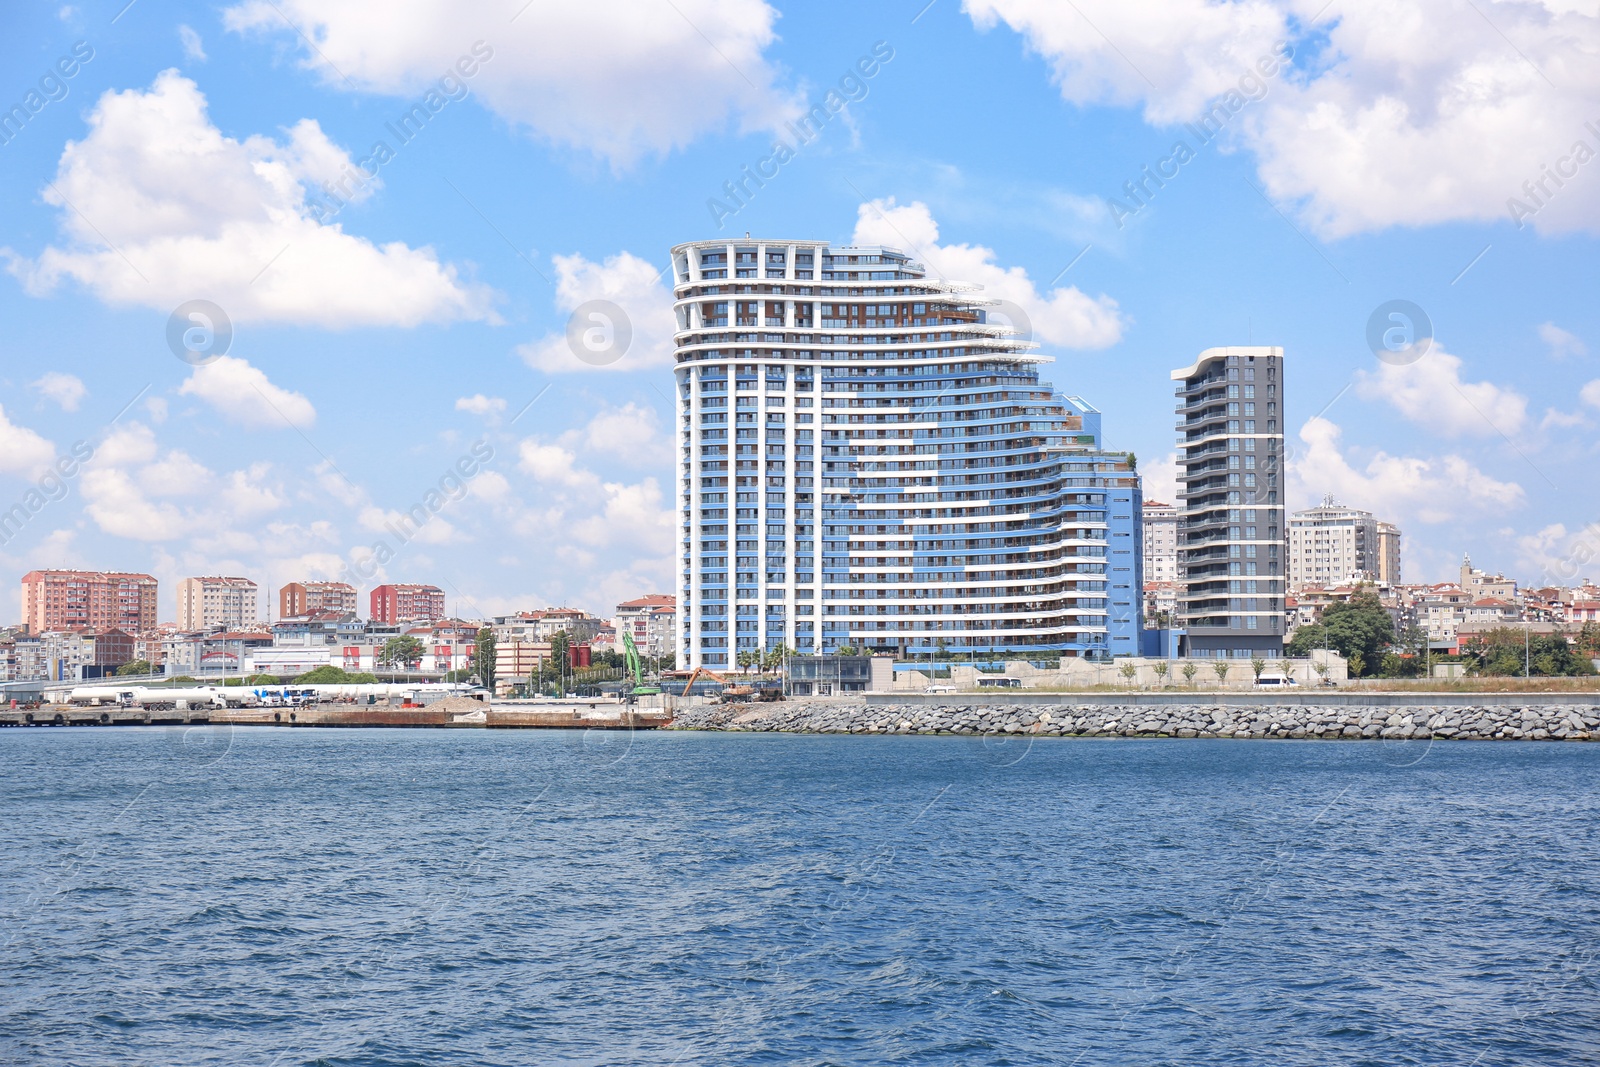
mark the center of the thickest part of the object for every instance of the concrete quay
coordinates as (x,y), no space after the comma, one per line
(444,714)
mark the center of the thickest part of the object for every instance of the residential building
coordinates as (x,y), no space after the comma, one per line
(579,626)
(1232,538)
(217,603)
(1160,604)
(312,598)
(865,460)
(1160,542)
(1486,586)
(1332,545)
(64,600)
(1388,554)
(405,604)
(652,621)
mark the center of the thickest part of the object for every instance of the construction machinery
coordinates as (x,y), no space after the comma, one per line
(731,693)
(631,652)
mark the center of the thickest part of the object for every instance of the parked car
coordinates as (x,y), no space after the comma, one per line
(1275,680)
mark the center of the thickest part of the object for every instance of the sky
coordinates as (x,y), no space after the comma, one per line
(254,316)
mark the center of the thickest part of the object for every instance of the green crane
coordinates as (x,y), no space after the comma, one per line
(631,651)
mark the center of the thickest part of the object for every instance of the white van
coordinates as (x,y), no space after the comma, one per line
(1274,680)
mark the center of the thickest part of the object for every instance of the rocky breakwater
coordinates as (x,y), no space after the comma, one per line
(1508,722)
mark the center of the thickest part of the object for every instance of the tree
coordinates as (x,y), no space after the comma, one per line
(328,674)
(743,659)
(485,655)
(560,656)
(1508,651)
(405,650)
(138,666)
(848,650)
(1189,671)
(1359,629)
(1321,668)
(1128,670)
(1257,665)
(1161,667)
(1587,641)
(1357,662)
(776,655)
(1221,668)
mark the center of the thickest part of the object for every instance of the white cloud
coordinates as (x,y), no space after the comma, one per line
(1063,316)
(549,463)
(1563,344)
(21,450)
(630,433)
(1431,394)
(156,407)
(478,404)
(1381,124)
(1160,479)
(189,213)
(193,47)
(1590,394)
(66,390)
(242,393)
(635,287)
(619,78)
(134,489)
(1396,488)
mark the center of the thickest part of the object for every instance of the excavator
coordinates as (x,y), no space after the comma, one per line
(631,652)
(730,693)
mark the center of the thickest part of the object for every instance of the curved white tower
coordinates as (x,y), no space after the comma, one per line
(863,460)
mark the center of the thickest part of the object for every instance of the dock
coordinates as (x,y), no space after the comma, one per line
(447,714)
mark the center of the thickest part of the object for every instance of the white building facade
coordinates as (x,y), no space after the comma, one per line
(212,603)
(865,461)
(1332,545)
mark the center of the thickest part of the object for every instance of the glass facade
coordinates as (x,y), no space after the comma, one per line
(865,461)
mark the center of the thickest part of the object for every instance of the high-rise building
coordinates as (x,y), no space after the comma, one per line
(211,603)
(865,460)
(1388,553)
(1332,545)
(403,604)
(309,598)
(67,600)
(1160,542)
(1231,531)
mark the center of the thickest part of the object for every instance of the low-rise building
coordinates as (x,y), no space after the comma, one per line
(580,626)
(652,621)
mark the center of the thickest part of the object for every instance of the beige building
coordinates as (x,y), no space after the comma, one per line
(217,603)
(1482,586)
(1388,553)
(1160,542)
(652,621)
(309,598)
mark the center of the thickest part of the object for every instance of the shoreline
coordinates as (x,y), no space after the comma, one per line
(1521,721)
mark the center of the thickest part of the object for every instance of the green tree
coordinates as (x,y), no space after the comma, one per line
(560,656)
(328,674)
(1221,668)
(485,655)
(848,650)
(1189,671)
(775,656)
(1128,670)
(1161,667)
(138,666)
(1509,652)
(1258,665)
(405,651)
(1359,629)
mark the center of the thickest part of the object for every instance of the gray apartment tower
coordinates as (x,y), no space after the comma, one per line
(1232,537)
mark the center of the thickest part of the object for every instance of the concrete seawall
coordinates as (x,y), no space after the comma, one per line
(1523,720)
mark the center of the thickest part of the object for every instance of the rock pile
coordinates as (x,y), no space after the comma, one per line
(1487,722)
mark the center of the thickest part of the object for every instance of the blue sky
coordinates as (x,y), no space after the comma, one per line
(374,345)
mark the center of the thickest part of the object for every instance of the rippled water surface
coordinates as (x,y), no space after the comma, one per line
(463,897)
